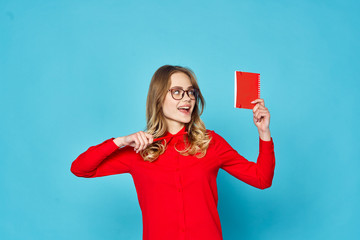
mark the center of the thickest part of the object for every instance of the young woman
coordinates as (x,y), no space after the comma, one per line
(175,177)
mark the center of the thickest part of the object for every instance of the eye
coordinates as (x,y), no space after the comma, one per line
(177,92)
(192,92)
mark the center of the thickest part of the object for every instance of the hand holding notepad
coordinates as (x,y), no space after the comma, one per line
(247,89)
(247,95)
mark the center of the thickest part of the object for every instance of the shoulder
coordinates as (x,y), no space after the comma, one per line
(212,132)
(215,137)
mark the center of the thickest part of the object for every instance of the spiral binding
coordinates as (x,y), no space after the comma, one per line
(259,86)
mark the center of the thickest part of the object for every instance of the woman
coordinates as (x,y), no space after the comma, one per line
(175,178)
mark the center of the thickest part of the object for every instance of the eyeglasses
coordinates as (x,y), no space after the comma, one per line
(178,94)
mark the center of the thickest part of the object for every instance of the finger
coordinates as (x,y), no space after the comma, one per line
(256,100)
(256,115)
(140,140)
(259,100)
(262,107)
(129,140)
(261,113)
(137,142)
(150,137)
(144,138)
(255,108)
(258,106)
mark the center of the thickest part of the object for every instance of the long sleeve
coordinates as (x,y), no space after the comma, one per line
(259,174)
(103,159)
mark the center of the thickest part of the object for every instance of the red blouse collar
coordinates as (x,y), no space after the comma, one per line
(170,136)
(182,131)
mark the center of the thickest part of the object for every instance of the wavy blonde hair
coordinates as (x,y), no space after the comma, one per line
(198,138)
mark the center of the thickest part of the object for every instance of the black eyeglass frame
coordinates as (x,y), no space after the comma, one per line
(183,93)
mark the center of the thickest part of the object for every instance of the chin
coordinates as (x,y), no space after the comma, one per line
(184,121)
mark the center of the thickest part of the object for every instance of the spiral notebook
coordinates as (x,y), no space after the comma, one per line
(247,89)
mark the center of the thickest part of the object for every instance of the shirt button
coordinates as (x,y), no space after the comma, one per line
(182,229)
(179,189)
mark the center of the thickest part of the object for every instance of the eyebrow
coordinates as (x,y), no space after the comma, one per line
(182,88)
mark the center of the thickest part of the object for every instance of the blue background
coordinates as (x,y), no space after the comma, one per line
(75,73)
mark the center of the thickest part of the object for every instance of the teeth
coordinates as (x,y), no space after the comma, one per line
(184,108)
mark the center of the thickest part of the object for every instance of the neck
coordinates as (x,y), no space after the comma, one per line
(175,128)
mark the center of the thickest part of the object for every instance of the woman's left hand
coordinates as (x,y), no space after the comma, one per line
(261,115)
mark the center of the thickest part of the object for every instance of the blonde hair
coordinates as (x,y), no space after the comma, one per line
(198,138)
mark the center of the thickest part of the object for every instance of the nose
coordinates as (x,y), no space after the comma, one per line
(186,96)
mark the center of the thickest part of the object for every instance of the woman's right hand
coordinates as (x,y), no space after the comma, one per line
(139,140)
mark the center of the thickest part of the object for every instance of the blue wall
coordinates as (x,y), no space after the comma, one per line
(74,73)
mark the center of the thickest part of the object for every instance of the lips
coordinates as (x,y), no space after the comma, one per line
(184,109)
(189,106)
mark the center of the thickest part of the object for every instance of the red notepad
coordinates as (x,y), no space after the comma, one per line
(247,89)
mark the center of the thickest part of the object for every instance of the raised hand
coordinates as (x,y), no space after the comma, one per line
(261,115)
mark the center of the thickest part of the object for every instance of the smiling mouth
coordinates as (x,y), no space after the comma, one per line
(184,110)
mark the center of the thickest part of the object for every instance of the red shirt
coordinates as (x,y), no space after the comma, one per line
(178,194)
